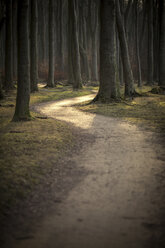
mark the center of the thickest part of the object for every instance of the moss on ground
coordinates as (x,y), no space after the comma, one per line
(28,150)
(59,93)
(149,109)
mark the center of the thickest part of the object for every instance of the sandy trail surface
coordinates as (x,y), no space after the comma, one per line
(121,201)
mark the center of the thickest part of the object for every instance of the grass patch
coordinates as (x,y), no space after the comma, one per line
(29,150)
(60,93)
(148,109)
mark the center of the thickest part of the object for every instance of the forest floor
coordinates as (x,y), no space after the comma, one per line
(107,190)
(147,111)
(25,149)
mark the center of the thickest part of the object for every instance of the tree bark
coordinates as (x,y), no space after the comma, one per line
(137,46)
(150,43)
(51,45)
(14,35)
(8,50)
(94,26)
(107,89)
(83,41)
(127,71)
(74,52)
(162,45)
(23,91)
(2,22)
(34,46)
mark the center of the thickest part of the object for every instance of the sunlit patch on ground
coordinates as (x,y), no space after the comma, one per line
(25,147)
(148,109)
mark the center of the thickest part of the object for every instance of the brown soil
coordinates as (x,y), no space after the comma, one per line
(115,195)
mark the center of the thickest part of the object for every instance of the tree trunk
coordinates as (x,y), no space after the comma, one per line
(14,34)
(94,26)
(23,91)
(137,46)
(74,52)
(2,22)
(94,69)
(34,46)
(8,50)
(162,45)
(127,71)
(83,41)
(1,91)
(107,89)
(51,45)
(150,43)
(144,22)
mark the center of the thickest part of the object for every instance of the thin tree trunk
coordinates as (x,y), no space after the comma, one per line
(94,75)
(137,46)
(94,26)
(34,46)
(14,35)
(2,22)
(156,41)
(8,50)
(150,43)
(74,52)
(107,89)
(23,92)
(128,75)
(83,48)
(144,21)
(51,45)
(126,15)
(162,45)
(1,91)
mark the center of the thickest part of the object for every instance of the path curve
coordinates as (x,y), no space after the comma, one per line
(118,204)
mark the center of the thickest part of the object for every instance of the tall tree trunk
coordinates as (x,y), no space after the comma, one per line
(42,31)
(51,45)
(127,71)
(8,50)
(1,91)
(83,41)
(107,89)
(74,52)
(59,39)
(137,46)
(126,15)
(144,17)
(156,40)
(2,22)
(14,35)
(162,45)
(23,92)
(34,47)
(94,26)
(150,43)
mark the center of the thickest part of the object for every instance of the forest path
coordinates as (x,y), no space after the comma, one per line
(119,203)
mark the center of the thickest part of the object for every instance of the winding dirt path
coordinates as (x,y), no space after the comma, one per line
(120,203)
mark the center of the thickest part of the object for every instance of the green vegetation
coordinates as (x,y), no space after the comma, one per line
(147,110)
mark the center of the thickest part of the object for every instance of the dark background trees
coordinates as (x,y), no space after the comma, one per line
(65,41)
